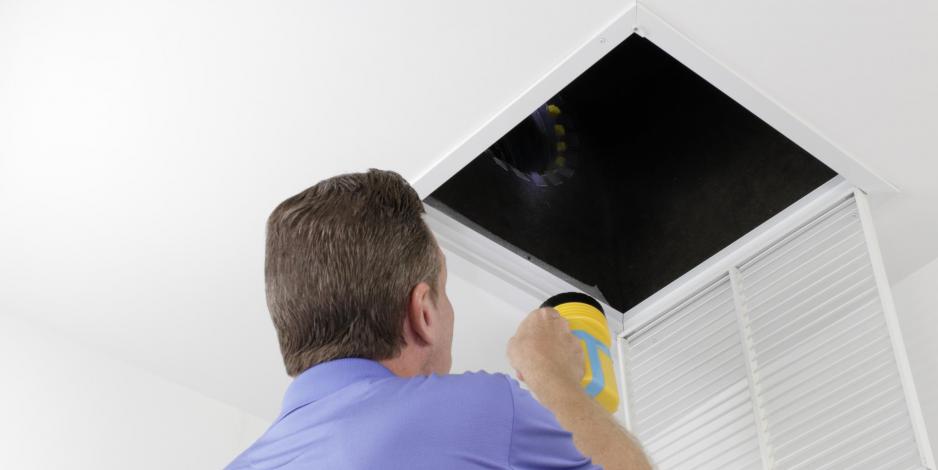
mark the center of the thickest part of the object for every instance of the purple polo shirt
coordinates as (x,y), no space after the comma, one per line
(356,414)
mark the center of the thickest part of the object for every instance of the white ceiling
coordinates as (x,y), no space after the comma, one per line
(143,145)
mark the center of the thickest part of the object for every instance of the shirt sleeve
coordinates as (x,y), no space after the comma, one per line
(537,440)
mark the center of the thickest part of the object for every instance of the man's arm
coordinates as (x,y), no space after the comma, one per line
(550,360)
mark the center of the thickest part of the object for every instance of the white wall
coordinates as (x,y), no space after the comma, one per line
(916,299)
(65,406)
(487,312)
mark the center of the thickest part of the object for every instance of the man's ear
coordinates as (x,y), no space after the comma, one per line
(420,313)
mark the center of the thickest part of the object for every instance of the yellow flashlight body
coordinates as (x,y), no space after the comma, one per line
(588,323)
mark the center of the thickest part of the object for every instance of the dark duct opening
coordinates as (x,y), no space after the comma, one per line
(652,171)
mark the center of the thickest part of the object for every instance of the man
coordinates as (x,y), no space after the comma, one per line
(356,287)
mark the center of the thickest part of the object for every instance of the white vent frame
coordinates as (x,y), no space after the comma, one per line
(724,264)
(636,18)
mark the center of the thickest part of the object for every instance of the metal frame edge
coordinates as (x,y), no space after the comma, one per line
(895,332)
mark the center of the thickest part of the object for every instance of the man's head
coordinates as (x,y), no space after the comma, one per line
(352,270)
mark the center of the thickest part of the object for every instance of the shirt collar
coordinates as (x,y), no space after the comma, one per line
(328,377)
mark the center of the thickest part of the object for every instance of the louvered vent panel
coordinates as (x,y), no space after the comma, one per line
(787,361)
(688,387)
(824,367)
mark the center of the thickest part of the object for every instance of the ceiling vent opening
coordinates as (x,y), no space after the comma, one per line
(633,174)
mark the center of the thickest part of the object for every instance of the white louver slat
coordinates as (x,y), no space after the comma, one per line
(786,360)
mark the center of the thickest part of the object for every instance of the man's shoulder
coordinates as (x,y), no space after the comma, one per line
(482,379)
(480,397)
(467,387)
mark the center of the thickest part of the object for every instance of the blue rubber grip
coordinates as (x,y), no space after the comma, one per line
(593,348)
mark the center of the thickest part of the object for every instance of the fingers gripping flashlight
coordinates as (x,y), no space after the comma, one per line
(588,323)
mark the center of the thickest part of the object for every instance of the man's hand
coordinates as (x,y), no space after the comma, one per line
(545,353)
(550,360)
